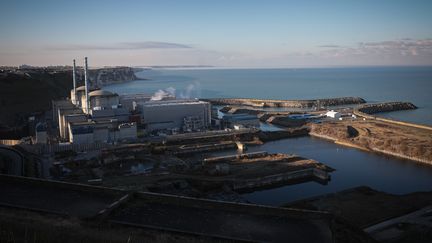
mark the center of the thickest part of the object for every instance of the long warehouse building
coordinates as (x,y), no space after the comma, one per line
(181,115)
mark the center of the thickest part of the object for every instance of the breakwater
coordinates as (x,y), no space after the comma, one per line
(386,107)
(365,111)
(287,103)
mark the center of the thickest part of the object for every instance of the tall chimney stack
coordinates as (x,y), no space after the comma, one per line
(74,83)
(86,84)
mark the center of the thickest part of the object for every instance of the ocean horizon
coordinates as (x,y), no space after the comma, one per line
(374,84)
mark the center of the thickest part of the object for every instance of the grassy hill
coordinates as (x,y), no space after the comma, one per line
(24,93)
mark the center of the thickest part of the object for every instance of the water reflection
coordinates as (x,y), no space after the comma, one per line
(353,168)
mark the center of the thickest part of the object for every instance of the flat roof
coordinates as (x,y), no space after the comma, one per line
(135,96)
(174,102)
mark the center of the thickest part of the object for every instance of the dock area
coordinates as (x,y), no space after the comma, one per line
(251,171)
(197,174)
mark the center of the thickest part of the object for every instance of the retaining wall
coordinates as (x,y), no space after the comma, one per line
(279,178)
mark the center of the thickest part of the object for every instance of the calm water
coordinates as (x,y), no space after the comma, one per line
(353,167)
(373,84)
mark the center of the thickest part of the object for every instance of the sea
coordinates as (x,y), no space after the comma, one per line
(353,167)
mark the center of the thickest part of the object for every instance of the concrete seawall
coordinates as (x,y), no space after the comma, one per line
(287,103)
(249,184)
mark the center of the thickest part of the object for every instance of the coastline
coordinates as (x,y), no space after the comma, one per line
(371,147)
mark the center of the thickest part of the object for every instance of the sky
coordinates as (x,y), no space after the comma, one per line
(224,33)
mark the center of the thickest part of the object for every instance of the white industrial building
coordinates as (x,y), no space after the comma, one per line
(333,114)
(131,101)
(96,115)
(186,115)
(92,116)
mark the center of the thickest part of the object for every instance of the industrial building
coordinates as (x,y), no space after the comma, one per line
(333,114)
(175,115)
(102,99)
(240,120)
(92,115)
(131,101)
(101,131)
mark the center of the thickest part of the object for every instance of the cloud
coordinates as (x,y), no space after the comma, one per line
(395,48)
(387,52)
(330,46)
(120,46)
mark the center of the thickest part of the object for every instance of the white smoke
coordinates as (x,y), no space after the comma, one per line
(161,94)
(171,90)
(192,91)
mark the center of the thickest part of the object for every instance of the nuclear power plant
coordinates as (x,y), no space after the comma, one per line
(94,115)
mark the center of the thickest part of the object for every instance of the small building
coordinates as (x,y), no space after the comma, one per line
(333,114)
